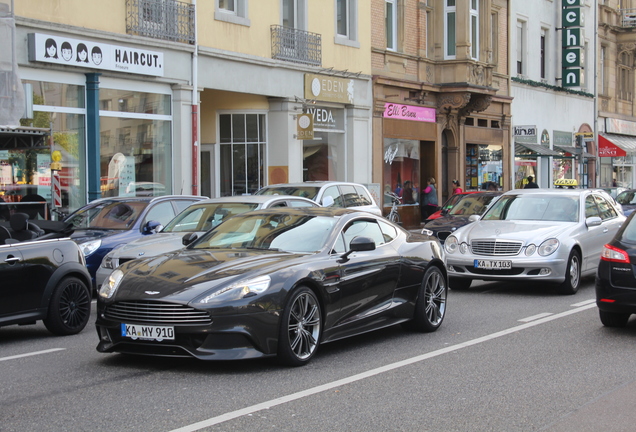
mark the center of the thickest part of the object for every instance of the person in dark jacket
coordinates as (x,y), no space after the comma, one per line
(429,199)
(531,184)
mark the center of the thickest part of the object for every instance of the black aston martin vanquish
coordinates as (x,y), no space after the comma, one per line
(274,282)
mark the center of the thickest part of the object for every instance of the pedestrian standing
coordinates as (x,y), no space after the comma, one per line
(429,199)
(531,184)
(456,188)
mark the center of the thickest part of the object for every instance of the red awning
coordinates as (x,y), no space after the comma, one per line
(606,148)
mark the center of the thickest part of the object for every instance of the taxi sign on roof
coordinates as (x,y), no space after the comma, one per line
(566,182)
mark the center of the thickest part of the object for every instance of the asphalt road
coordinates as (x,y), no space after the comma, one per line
(507,358)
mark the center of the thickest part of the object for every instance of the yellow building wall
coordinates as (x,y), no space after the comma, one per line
(109,15)
(214,100)
(256,40)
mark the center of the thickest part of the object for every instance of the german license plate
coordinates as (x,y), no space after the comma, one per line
(493,264)
(145,332)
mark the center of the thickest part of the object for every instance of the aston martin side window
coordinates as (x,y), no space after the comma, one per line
(364,228)
(389,232)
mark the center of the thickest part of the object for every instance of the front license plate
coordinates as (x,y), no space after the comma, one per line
(493,265)
(145,332)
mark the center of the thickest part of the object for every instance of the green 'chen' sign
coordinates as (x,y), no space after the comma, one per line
(572,41)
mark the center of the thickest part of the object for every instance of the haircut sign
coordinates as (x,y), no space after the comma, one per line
(83,53)
(571,21)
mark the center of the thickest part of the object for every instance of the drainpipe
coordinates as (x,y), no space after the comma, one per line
(195,109)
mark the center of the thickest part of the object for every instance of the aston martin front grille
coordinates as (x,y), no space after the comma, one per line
(496,247)
(157,313)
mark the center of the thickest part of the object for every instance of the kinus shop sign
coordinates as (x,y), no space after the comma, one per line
(88,54)
(571,23)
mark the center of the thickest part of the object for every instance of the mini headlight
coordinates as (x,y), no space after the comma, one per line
(89,247)
(111,284)
(548,247)
(530,249)
(451,244)
(240,289)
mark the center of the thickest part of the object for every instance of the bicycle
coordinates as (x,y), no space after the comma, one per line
(393,215)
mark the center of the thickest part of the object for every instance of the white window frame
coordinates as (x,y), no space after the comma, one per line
(521,48)
(449,9)
(394,24)
(300,13)
(351,23)
(240,14)
(474,21)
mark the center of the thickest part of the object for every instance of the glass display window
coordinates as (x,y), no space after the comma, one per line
(401,170)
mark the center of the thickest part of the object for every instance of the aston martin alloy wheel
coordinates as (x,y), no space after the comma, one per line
(430,307)
(300,328)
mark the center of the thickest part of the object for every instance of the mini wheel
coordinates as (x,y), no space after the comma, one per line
(69,308)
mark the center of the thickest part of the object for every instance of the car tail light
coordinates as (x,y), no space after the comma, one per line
(614,254)
(604,300)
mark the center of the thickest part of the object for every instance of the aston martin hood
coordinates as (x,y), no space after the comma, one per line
(152,245)
(184,275)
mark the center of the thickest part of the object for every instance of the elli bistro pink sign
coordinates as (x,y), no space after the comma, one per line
(408,112)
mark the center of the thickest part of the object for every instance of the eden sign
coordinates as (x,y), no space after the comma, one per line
(571,22)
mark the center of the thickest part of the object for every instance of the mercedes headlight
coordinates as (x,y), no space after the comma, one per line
(548,247)
(451,244)
(111,284)
(530,249)
(240,289)
(89,247)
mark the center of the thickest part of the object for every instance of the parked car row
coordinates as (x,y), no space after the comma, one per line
(273,274)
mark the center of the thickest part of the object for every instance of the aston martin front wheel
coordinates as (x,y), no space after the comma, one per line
(300,328)
(430,307)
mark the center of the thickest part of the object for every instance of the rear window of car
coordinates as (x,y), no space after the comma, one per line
(302,191)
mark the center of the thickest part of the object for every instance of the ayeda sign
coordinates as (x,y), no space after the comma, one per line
(571,21)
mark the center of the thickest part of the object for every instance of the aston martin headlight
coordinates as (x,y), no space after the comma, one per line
(530,249)
(89,247)
(240,289)
(451,244)
(548,247)
(111,284)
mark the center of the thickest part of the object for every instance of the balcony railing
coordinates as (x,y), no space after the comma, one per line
(161,19)
(628,17)
(296,46)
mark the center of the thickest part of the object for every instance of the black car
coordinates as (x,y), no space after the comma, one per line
(627,199)
(459,213)
(44,280)
(274,282)
(615,278)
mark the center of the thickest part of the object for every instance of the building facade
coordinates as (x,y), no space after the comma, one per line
(441,89)
(616,118)
(553,109)
(190,98)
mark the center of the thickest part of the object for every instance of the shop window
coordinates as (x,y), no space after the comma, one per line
(401,169)
(484,167)
(135,143)
(242,144)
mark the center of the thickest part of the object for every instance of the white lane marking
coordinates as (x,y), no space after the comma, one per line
(535,317)
(377,371)
(584,302)
(31,354)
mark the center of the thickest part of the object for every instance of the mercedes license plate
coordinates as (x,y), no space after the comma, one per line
(493,264)
(146,332)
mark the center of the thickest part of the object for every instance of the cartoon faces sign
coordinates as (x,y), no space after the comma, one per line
(74,52)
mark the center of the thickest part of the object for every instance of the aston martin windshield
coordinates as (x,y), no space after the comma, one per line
(286,232)
(204,217)
(535,207)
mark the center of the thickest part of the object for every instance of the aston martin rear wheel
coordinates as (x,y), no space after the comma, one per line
(430,307)
(572,275)
(300,329)
(69,308)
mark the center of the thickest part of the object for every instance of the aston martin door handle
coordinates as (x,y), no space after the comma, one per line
(11,259)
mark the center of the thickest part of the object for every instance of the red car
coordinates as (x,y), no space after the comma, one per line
(449,204)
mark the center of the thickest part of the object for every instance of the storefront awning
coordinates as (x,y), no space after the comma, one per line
(612,145)
(574,151)
(537,150)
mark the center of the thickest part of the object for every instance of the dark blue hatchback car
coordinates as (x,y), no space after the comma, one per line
(107,223)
